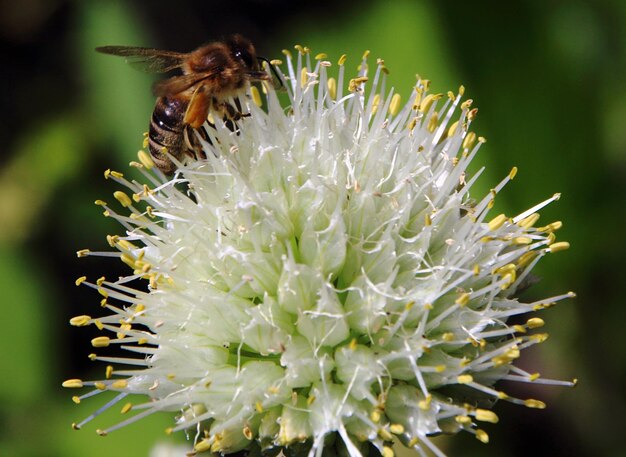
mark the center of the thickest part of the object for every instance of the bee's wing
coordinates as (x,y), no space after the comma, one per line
(147,59)
(177,84)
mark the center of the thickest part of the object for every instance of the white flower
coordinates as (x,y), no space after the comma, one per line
(322,274)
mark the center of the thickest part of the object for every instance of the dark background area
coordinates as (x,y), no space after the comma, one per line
(548,78)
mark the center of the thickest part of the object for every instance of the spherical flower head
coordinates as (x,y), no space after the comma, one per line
(322,278)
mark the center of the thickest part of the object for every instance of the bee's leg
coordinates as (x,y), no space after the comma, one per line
(193,144)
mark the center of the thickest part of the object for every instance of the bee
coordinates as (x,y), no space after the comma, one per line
(211,75)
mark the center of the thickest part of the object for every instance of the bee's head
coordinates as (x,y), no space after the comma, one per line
(242,50)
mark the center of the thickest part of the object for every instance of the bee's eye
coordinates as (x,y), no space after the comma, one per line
(244,56)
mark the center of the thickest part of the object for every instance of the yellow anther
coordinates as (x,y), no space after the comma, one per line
(353,344)
(92,356)
(551,238)
(497,222)
(80,321)
(332,88)
(427,220)
(396,429)
(73,383)
(534,376)
(505,269)
(469,140)
(342,59)
(476,270)
(463,420)
(101,342)
(387,452)
(119,384)
(425,104)
(276,62)
(482,139)
(108,371)
(461,90)
(125,245)
(532,403)
(103,292)
(100,280)
(128,260)
(375,416)
(100,385)
(464,379)
(513,173)
(535,322)
(463,299)
(526,258)
(124,199)
(551,227)
(529,221)
(412,124)
(521,240)
(76,399)
(424,404)
(467,103)
(145,159)
(375,103)
(354,83)
(301,49)
(256,96)
(447,337)
(82,253)
(101,432)
(100,203)
(304,76)
(451,95)
(394,106)
(484,415)
(384,434)
(540,337)
(142,341)
(321,55)
(202,445)
(98,324)
(560,246)
(433,122)
(116,174)
(453,127)
(482,436)
(472,114)
(440,368)
(310,400)
(127,407)
(286,53)
(519,329)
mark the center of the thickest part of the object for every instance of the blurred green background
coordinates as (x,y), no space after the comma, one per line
(549,79)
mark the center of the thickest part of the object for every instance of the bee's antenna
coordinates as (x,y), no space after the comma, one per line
(273,70)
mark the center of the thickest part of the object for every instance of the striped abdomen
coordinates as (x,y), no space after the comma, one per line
(167,131)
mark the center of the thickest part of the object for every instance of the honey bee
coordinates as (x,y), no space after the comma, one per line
(211,75)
